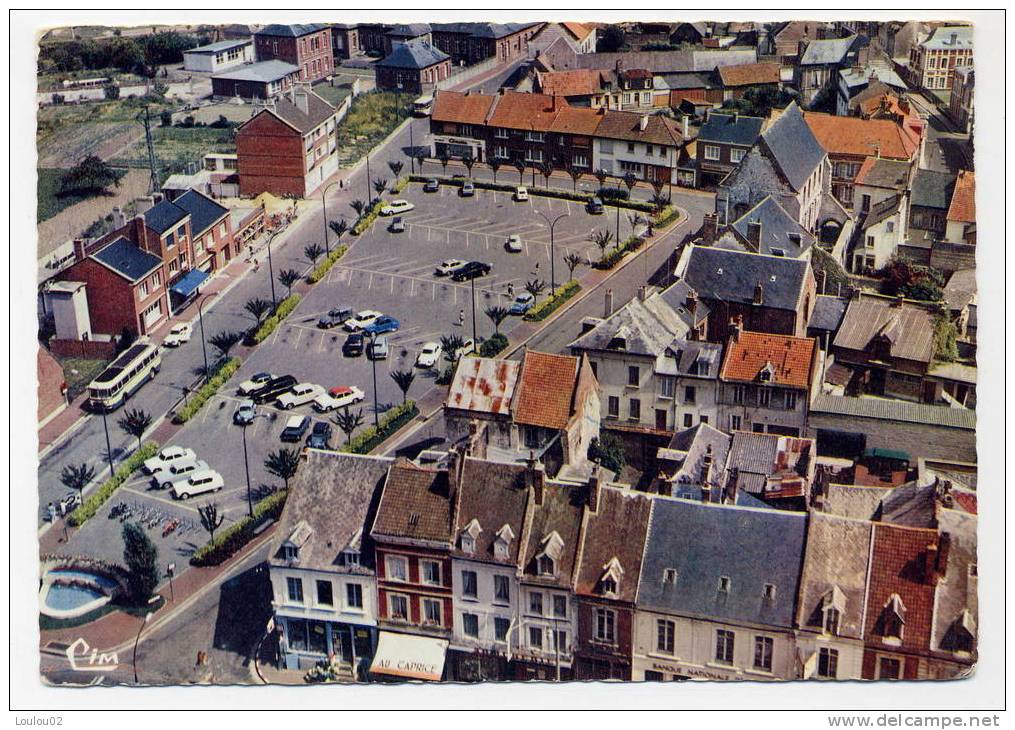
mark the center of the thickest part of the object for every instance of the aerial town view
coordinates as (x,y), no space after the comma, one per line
(506,351)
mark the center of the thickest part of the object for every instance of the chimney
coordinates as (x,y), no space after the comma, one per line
(302,101)
(706,473)
(643,122)
(553,103)
(157,198)
(754,238)
(944,548)
(691,302)
(476,447)
(536,478)
(899,300)
(80,249)
(594,488)
(955,39)
(642,293)
(930,563)
(119,219)
(608,309)
(456,468)
(686,126)
(736,327)
(759,294)
(710,228)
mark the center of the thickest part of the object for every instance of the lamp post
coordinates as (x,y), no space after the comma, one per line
(109,448)
(271,271)
(373,367)
(324,210)
(200,319)
(137,639)
(369,198)
(472,282)
(552,224)
(246,465)
(170,572)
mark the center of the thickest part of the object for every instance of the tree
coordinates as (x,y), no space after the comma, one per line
(348,422)
(545,169)
(396,167)
(258,307)
(535,287)
(224,342)
(421,158)
(91,175)
(946,334)
(111,92)
(659,201)
(77,477)
(520,166)
(313,252)
(494,165)
(452,345)
(911,280)
(608,451)
(403,379)
(134,423)
(359,206)
(575,174)
(283,464)
(573,261)
(468,160)
(142,560)
(635,220)
(602,240)
(339,228)
(497,315)
(444,158)
(166,118)
(657,186)
(211,520)
(288,277)
(601,176)
(610,40)
(630,180)
(380,185)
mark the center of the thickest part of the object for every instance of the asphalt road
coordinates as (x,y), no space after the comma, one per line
(945,148)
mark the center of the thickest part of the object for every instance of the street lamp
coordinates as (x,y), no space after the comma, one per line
(109,447)
(271,271)
(553,279)
(472,282)
(371,355)
(246,464)
(200,319)
(170,572)
(324,207)
(369,194)
(137,639)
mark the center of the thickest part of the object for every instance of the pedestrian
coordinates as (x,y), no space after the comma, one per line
(511,290)
(461,318)
(51,509)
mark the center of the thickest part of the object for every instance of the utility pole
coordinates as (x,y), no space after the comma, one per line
(153,179)
(472,281)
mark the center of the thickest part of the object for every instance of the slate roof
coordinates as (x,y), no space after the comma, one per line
(827,51)
(164,216)
(461,108)
(836,556)
(958,591)
(960,291)
(295,30)
(560,512)
(828,313)
(663,62)
(731,129)
(127,260)
(790,358)
(409,30)
(776,228)
(888,409)
(761,461)
(545,390)
(332,494)
(318,111)
(262,72)
(963,206)
(415,504)
(645,327)
(730,276)
(218,47)
(749,74)
(481,30)
(879,172)
(941,37)
(617,529)
(932,189)
(695,443)
(493,494)
(856,136)
(793,146)
(204,212)
(909,328)
(703,542)
(484,385)
(413,55)
(856,501)
(881,211)
(882,72)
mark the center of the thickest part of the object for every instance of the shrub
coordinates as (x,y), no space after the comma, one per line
(368,217)
(232,539)
(494,345)
(219,377)
(87,509)
(559,194)
(613,257)
(399,185)
(608,451)
(324,267)
(613,194)
(390,422)
(553,302)
(283,310)
(946,335)
(666,216)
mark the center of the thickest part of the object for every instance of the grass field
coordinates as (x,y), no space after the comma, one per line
(49,202)
(79,372)
(371,118)
(334,95)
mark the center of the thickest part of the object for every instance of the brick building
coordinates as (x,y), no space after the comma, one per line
(469,43)
(52,386)
(932,62)
(211,231)
(722,142)
(263,80)
(308,47)
(412,67)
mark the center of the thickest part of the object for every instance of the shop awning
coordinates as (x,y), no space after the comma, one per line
(892,454)
(410,657)
(189,282)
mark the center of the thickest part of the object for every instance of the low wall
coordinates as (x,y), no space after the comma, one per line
(949,257)
(88,349)
(461,74)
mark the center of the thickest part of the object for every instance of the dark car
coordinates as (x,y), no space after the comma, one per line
(381,325)
(353,345)
(431,186)
(467,190)
(295,428)
(320,437)
(273,389)
(594,206)
(471,270)
(397,225)
(334,318)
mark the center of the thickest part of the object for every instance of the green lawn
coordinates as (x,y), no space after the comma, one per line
(49,202)
(371,118)
(79,372)
(334,95)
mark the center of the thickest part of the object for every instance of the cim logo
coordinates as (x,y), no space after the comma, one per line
(84,658)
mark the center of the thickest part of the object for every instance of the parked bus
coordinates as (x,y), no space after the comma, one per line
(423,105)
(124,376)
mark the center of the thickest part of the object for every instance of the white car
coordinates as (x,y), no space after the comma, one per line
(468,348)
(178,472)
(179,334)
(448,267)
(200,482)
(521,193)
(396,207)
(362,319)
(256,381)
(298,395)
(339,397)
(514,243)
(429,355)
(166,458)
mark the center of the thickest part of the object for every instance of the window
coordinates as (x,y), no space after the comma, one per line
(325,596)
(606,146)
(560,641)
(634,409)
(580,160)
(768,592)
(398,607)
(630,145)
(295,587)
(500,629)
(534,136)
(724,646)
(533,155)
(648,150)
(350,558)
(501,134)
(431,611)
(156,279)
(711,152)
(870,242)
(724,584)
(669,576)
(831,622)
(396,568)
(536,637)
(353,595)
(666,387)
(545,565)
(560,606)
(290,552)
(688,420)
(889,668)
(469,589)
(536,603)
(606,623)
(664,635)
(633,375)
(501,589)
(790,400)
(470,625)
(468,544)
(734,423)
(181,232)
(890,226)
(764,397)
(501,151)
(690,394)
(613,407)
(431,571)
(763,653)
(738,395)
(828,663)
(609,586)
(737,155)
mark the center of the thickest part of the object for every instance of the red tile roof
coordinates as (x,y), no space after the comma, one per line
(749,74)
(578,30)
(790,358)
(627,126)
(545,390)
(454,106)
(618,529)
(415,504)
(963,206)
(515,110)
(576,82)
(855,136)
(572,120)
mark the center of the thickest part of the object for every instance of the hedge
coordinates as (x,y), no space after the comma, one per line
(613,257)
(232,539)
(533,190)
(87,509)
(390,422)
(553,302)
(400,185)
(283,310)
(367,218)
(324,267)
(666,216)
(206,391)
(494,345)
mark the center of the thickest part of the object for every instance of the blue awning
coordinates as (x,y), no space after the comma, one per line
(188,283)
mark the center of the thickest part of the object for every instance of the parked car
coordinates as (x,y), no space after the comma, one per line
(256,381)
(200,482)
(339,397)
(361,320)
(178,335)
(178,473)
(396,206)
(320,437)
(448,266)
(70,502)
(429,355)
(521,193)
(397,225)
(514,243)
(594,207)
(471,270)
(166,458)
(334,317)
(299,395)
(431,186)
(467,190)
(245,412)
(381,325)
(273,389)
(522,303)
(378,349)
(295,429)
(468,347)
(353,345)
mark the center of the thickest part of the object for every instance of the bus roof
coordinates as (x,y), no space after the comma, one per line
(126,357)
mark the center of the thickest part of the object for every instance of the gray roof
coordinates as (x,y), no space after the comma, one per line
(667,62)
(932,189)
(687,80)
(881,211)
(332,494)
(318,111)
(886,409)
(941,38)
(220,46)
(854,77)
(676,296)
(482,30)
(731,129)
(960,291)
(795,148)
(730,276)
(290,30)
(128,260)
(885,173)
(856,501)
(263,72)
(639,327)
(828,313)
(204,212)
(827,51)
(409,30)
(163,216)
(413,55)
(958,591)
(703,542)
(909,328)
(695,442)
(776,228)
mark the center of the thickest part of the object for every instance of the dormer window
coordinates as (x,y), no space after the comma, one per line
(724,584)
(546,560)
(768,592)
(502,544)
(290,553)
(830,624)
(766,373)
(467,540)
(961,636)
(546,566)
(669,576)
(609,581)
(893,620)
(350,558)
(609,586)
(468,544)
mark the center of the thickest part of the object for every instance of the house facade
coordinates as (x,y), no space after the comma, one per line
(262,80)
(211,231)
(960,105)
(469,43)
(219,56)
(308,47)
(723,141)
(821,60)
(933,61)
(411,67)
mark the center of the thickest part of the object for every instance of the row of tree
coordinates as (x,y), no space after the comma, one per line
(130,55)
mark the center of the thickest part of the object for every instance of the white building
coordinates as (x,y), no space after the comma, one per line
(219,56)
(648,146)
